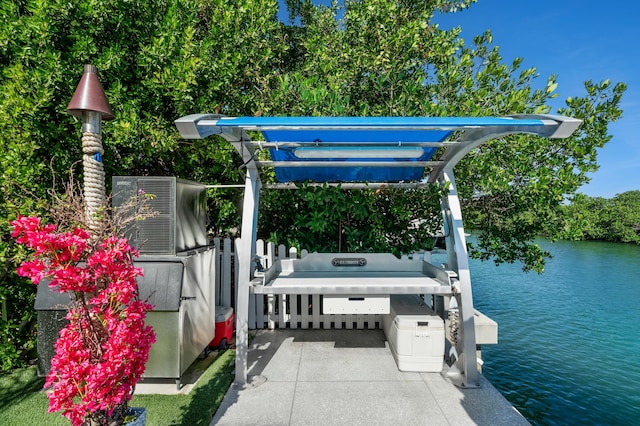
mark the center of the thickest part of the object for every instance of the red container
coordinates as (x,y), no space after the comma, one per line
(224,327)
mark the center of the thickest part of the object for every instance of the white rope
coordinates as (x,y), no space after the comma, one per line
(94,177)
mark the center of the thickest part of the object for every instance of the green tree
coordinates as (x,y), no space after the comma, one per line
(515,187)
(158,60)
(385,57)
(596,218)
(332,219)
(624,217)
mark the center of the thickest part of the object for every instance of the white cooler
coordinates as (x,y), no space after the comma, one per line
(415,334)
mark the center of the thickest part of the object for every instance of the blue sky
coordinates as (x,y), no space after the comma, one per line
(577,40)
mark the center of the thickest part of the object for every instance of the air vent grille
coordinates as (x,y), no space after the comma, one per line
(180,224)
(156,235)
(162,191)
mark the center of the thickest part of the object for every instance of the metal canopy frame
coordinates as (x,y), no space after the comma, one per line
(456,135)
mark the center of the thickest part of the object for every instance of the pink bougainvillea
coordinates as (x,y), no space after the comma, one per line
(102,352)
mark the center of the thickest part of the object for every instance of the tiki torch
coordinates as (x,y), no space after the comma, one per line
(90,104)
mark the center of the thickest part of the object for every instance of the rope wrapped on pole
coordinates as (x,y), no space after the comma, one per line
(94,177)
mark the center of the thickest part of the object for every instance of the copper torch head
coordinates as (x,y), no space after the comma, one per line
(89,96)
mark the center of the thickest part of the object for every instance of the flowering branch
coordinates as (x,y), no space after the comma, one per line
(101,353)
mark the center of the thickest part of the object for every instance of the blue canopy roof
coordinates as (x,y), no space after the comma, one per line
(333,146)
(364,149)
(391,123)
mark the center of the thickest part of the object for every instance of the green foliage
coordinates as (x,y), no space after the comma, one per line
(378,59)
(332,219)
(17,325)
(158,60)
(513,188)
(596,218)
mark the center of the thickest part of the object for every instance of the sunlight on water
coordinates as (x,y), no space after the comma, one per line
(569,339)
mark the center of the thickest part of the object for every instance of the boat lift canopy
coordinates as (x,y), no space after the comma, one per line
(366,152)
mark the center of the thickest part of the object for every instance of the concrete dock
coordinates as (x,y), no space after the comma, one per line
(349,377)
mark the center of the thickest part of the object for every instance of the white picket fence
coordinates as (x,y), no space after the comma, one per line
(278,311)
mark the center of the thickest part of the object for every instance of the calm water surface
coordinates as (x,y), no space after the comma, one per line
(569,339)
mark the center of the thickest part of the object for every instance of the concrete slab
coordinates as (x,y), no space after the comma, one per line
(349,377)
(364,403)
(258,403)
(365,363)
(169,386)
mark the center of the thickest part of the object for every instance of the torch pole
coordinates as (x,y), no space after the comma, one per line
(90,104)
(93,169)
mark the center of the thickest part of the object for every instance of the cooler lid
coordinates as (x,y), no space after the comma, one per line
(223,313)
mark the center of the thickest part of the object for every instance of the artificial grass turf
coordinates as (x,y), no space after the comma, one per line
(197,407)
(22,402)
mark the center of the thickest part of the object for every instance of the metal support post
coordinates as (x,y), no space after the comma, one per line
(246,253)
(464,372)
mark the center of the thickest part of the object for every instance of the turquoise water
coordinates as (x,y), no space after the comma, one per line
(569,339)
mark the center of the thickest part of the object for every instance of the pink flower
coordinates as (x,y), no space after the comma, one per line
(102,352)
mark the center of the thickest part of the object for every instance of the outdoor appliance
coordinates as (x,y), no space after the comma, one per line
(178,267)
(183,318)
(177,264)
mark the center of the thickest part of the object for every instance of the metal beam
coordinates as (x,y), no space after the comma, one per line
(350,185)
(417,164)
(246,251)
(464,372)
